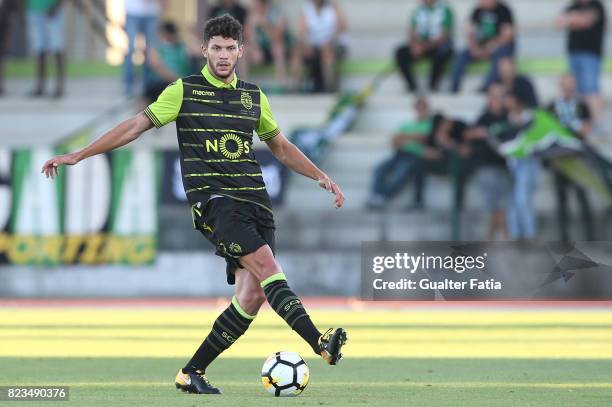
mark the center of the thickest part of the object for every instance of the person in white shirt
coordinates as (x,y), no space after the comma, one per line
(320,37)
(141,17)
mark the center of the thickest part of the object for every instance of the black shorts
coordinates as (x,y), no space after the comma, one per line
(235,228)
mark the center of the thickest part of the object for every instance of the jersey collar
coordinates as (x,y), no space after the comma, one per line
(216,82)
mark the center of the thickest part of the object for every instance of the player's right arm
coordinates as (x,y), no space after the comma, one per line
(164,110)
(122,134)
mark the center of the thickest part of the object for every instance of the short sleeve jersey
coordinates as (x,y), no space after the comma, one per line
(215,122)
(166,108)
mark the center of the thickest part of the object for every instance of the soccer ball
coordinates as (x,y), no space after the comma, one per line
(285,374)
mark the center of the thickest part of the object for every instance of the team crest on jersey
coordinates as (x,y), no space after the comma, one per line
(247,101)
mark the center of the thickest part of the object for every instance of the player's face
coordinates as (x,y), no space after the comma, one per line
(222,55)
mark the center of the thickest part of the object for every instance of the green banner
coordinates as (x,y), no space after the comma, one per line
(104,210)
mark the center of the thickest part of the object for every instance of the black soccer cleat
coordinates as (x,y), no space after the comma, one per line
(330,345)
(194,383)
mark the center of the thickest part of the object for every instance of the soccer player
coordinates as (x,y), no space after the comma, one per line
(216,114)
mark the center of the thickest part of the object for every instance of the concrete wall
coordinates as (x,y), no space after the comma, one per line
(186,274)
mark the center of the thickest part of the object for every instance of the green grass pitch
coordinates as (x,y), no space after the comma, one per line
(425,356)
(355,382)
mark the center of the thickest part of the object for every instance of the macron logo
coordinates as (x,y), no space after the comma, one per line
(202,92)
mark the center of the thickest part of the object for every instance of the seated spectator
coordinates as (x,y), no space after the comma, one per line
(574,114)
(320,44)
(585,21)
(490,37)
(429,37)
(231,7)
(268,31)
(193,43)
(447,155)
(168,59)
(492,175)
(45,21)
(409,145)
(432,145)
(511,81)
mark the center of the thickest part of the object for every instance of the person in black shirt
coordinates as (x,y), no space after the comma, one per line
(230,7)
(492,176)
(585,22)
(570,109)
(511,81)
(490,36)
(574,114)
(448,155)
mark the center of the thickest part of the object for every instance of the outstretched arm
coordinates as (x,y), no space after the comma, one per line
(125,132)
(289,155)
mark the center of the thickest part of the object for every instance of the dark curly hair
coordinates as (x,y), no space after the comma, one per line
(225,26)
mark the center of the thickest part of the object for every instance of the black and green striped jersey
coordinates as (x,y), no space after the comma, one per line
(215,122)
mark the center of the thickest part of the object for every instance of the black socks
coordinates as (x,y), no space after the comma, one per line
(229,326)
(286,304)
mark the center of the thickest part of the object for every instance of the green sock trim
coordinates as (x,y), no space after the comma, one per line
(273,278)
(240,310)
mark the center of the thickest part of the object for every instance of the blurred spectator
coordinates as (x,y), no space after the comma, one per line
(511,81)
(409,145)
(574,114)
(429,37)
(193,42)
(168,59)
(45,19)
(492,176)
(7,14)
(320,43)
(269,36)
(524,166)
(570,109)
(585,21)
(490,37)
(447,155)
(142,17)
(231,7)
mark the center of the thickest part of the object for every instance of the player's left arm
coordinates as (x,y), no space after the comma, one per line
(289,155)
(292,157)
